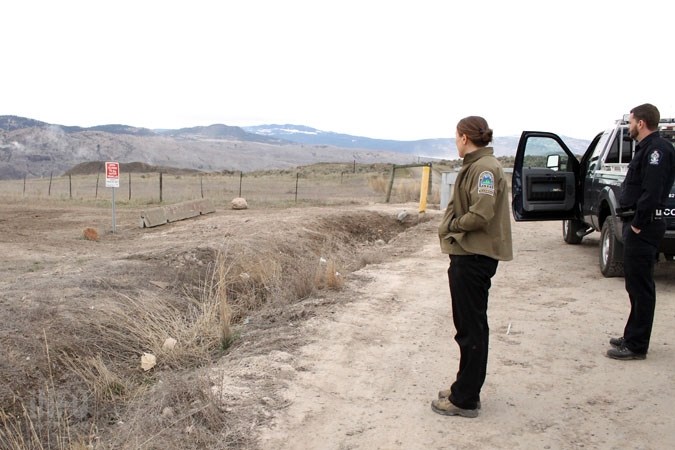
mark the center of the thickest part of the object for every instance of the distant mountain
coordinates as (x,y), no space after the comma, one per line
(311,136)
(30,147)
(113,129)
(10,123)
(220,131)
(430,148)
(33,148)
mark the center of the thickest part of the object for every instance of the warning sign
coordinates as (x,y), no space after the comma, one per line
(112,174)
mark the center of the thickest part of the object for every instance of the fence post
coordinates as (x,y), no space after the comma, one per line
(24,185)
(431,172)
(160,187)
(98,175)
(49,191)
(70,186)
(297,177)
(391,182)
(201,185)
(241,177)
(129,186)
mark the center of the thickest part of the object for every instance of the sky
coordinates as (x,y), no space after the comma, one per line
(387,69)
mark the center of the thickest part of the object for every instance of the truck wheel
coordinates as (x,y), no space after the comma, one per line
(611,264)
(569,230)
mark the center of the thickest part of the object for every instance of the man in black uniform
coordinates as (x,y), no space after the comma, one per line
(644,192)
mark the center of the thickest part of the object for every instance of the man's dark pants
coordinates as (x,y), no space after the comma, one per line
(469,277)
(640,251)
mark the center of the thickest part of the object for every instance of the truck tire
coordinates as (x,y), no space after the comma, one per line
(569,230)
(611,264)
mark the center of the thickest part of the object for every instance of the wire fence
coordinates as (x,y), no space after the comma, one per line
(263,188)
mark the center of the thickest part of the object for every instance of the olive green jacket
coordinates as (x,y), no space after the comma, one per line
(477,220)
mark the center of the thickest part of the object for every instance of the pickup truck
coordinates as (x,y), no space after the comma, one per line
(551,183)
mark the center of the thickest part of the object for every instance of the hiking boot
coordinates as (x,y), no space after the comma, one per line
(445,393)
(617,342)
(446,408)
(624,353)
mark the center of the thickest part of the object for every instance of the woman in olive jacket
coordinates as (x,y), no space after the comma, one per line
(476,233)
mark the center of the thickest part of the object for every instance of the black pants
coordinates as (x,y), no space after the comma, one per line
(470,279)
(640,251)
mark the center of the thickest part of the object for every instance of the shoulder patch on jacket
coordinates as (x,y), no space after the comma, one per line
(486,183)
(654,158)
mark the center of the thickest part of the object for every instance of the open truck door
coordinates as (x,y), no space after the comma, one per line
(546,183)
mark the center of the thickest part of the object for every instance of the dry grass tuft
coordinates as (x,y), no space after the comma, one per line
(403,190)
(43,424)
(199,322)
(103,383)
(180,413)
(21,432)
(435,196)
(252,278)
(328,276)
(378,183)
(407,191)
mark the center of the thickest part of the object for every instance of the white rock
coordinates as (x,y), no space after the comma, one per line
(169,344)
(148,361)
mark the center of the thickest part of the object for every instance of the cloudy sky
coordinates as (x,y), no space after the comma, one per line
(388,69)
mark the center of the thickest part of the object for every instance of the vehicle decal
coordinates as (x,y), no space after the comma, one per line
(486,183)
(654,158)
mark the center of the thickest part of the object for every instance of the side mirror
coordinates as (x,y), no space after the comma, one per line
(553,162)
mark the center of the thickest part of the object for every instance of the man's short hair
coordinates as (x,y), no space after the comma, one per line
(648,113)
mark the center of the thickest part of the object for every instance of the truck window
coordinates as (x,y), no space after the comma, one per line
(613,153)
(627,146)
(539,151)
(599,147)
(668,133)
(621,148)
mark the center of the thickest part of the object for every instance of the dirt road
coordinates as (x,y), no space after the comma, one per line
(370,368)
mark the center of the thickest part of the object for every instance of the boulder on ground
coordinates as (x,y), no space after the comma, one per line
(239,203)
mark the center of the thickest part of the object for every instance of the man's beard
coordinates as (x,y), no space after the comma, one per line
(633,133)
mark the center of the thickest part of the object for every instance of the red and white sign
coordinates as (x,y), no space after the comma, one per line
(112,174)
